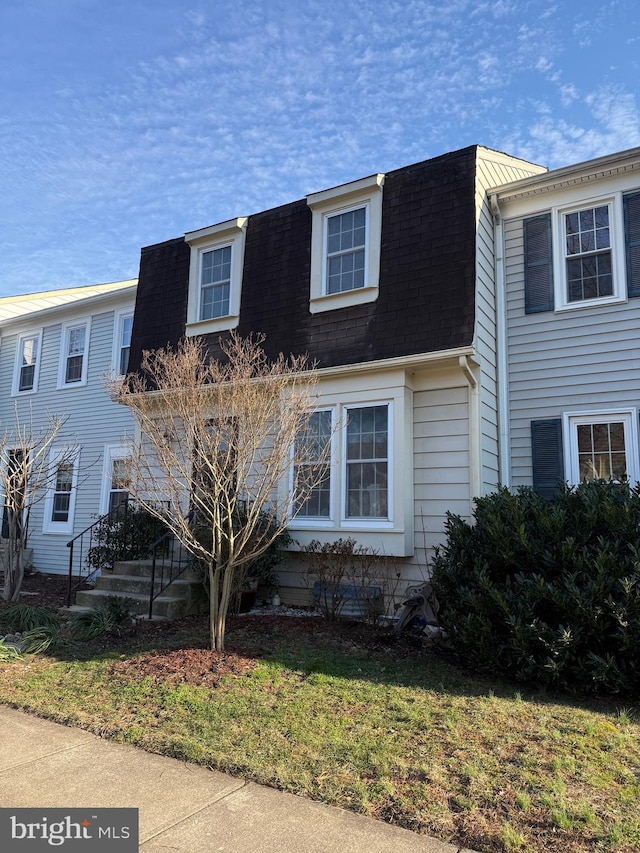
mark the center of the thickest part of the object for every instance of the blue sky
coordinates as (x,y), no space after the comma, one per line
(128,122)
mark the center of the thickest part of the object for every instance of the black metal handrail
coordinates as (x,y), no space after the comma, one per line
(169,561)
(101,544)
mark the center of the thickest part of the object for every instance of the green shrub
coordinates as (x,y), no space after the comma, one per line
(116,615)
(125,535)
(26,617)
(547,592)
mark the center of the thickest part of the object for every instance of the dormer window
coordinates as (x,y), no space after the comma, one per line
(345,244)
(215,276)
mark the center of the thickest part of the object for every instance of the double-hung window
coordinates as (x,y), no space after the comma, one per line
(356,451)
(588,258)
(582,255)
(352,484)
(346,227)
(215,276)
(25,377)
(215,282)
(74,354)
(346,242)
(59,503)
(367,462)
(122,345)
(312,470)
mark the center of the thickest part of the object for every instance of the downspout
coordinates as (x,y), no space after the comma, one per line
(475,438)
(504,443)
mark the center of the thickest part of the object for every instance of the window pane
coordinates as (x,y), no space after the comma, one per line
(601,451)
(346,240)
(367,462)
(27,376)
(74,369)
(76,343)
(215,301)
(124,360)
(310,446)
(62,493)
(76,340)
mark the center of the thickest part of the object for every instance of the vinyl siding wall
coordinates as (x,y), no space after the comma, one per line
(94,421)
(587,359)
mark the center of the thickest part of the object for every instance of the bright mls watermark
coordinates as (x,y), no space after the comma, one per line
(70,830)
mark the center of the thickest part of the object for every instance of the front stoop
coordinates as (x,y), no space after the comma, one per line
(131,580)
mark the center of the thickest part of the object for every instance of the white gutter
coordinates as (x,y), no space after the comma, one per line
(504,443)
(406,361)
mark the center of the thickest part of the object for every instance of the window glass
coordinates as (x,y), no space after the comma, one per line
(588,254)
(120,479)
(346,241)
(62,493)
(75,354)
(215,283)
(601,451)
(310,446)
(29,359)
(367,462)
(125,343)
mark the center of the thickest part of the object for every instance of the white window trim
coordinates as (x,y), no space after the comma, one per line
(364,522)
(64,352)
(111,452)
(629,419)
(230,233)
(21,338)
(65,528)
(618,264)
(118,320)
(394,534)
(367,192)
(320,521)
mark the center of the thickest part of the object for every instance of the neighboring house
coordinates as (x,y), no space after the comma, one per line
(568,278)
(56,349)
(388,284)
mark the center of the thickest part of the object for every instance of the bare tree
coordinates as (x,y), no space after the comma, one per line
(215,452)
(28,469)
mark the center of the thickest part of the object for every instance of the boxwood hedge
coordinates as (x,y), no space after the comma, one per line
(547,592)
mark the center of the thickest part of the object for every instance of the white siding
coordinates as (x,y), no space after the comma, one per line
(93,420)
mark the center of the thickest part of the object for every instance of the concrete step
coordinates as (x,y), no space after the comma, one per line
(127,584)
(143,568)
(164,606)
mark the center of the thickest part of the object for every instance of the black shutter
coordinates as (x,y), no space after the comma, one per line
(547,457)
(631,205)
(538,264)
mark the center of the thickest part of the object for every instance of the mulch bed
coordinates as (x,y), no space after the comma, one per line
(247,639)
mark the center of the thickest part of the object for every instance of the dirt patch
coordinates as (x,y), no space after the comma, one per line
(200,667)
(42,591)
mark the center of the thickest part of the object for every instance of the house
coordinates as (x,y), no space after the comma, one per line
(56,348)
(568,282)
(387,283)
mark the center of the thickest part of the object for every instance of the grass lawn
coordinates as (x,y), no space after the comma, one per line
(383,728)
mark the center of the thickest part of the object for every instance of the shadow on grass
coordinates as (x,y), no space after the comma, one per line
(341,650)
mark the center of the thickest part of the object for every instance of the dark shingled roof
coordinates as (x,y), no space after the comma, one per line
(427,276)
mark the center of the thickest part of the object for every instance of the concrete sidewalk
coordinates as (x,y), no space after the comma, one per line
(183,808)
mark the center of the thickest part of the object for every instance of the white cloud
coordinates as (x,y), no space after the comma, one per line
(228,111)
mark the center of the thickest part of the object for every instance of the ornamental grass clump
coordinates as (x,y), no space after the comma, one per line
(547,592)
